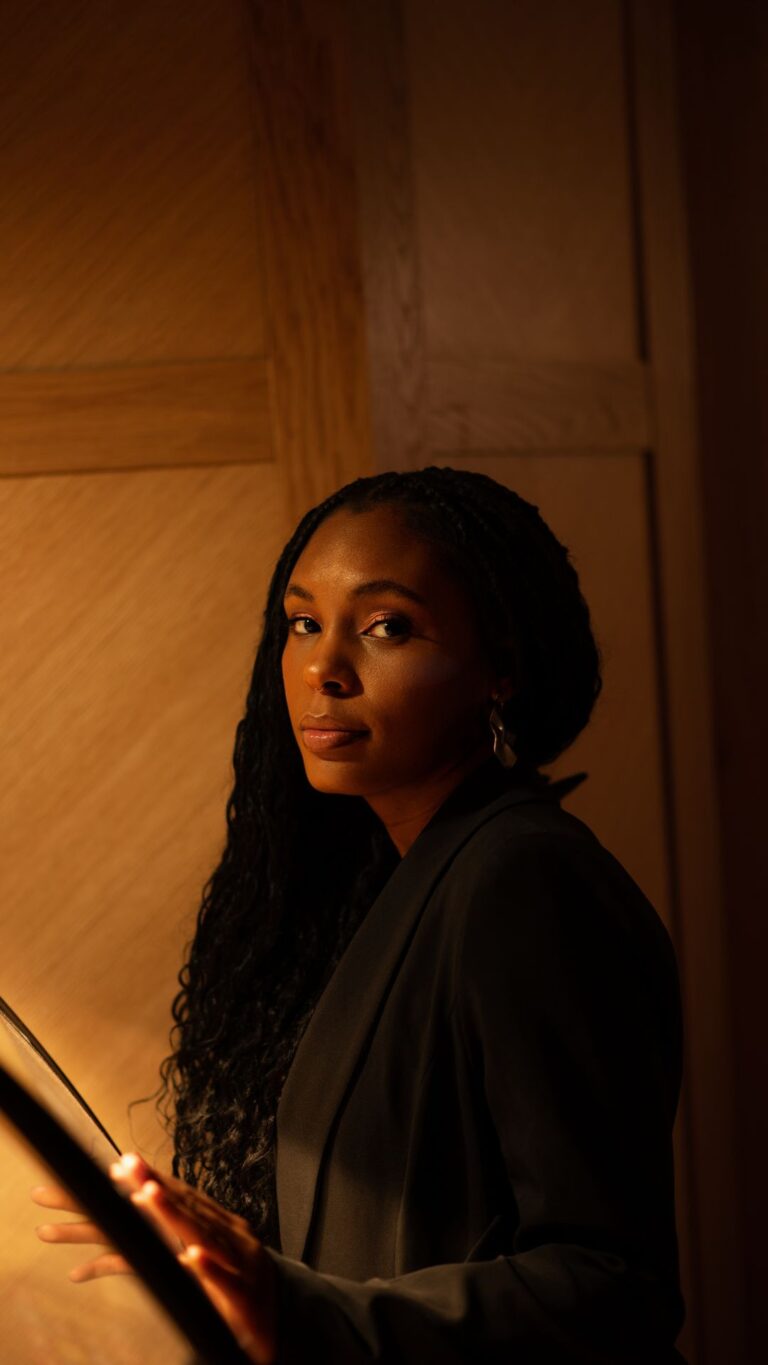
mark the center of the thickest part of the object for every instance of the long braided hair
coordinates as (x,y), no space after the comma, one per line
(261,954)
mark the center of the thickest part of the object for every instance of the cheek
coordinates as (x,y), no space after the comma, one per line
(289,676)
(422,683)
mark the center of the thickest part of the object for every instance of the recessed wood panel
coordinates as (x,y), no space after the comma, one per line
(129,227)
(486,404)
(521,174)
(597,506)
(132,606)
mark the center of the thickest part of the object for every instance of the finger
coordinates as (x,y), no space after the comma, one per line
(234,1299)
(131,1171)
(193,1218)
(226,1237)
(174,1227)
(71,1232)
(54,1197)
(197,1204)
(179,1226)
(111,1264)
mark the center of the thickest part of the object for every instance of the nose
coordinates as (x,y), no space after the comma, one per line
(329,667)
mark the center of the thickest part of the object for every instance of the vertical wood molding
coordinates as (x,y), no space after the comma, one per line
(724,115)
(312,274)
(388,236)
(679,528)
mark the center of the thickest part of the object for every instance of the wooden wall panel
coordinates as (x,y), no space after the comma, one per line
(132,608)
(503,404)
(521,178)
(129,228)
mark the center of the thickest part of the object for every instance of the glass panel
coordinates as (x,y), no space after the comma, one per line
(26,1058)
(47,1320)
(48,1136)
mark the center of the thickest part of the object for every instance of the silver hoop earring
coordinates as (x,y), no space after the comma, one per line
(503,739)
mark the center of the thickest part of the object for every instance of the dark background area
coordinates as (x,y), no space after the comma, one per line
(723,64)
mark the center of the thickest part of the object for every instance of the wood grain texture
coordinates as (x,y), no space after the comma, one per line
(132,607)
(123,417)
(717,1316)
(129,229)
(311,255)
(521,178)
(388,233)
(500,404)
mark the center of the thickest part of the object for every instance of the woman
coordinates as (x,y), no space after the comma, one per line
(465,1008)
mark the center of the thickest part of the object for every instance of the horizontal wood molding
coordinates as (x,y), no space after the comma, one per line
(134,416)
(504,404)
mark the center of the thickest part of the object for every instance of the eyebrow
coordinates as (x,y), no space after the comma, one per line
(364,589)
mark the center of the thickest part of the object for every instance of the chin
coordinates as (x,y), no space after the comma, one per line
(337,778)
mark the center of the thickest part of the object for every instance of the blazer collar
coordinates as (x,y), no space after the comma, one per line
(336,1039)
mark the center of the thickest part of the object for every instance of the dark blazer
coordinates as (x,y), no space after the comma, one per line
(474,1141)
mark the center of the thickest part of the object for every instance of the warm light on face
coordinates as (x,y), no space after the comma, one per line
(382,655)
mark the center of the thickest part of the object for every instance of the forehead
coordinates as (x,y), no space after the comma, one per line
(353,547)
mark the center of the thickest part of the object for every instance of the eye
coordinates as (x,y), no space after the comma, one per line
(293,621)
(402,622)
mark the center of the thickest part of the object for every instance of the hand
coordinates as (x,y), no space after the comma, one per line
(109,1263)
(219,1248)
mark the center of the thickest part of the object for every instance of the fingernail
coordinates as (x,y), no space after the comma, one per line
(126,1170)
(145,1192)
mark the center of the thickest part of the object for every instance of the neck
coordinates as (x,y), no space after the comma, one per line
(406,810)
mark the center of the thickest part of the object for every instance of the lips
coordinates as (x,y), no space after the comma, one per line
(321,733)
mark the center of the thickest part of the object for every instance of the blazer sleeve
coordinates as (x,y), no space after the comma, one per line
(567,1010)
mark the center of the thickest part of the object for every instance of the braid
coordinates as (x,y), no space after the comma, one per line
(261,955)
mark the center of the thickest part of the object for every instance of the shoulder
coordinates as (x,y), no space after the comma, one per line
(554,946)
(535,883)
(533,845)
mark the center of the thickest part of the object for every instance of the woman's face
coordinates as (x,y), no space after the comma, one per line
(400,667)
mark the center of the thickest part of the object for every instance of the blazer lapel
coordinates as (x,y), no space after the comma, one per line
(335,1042)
